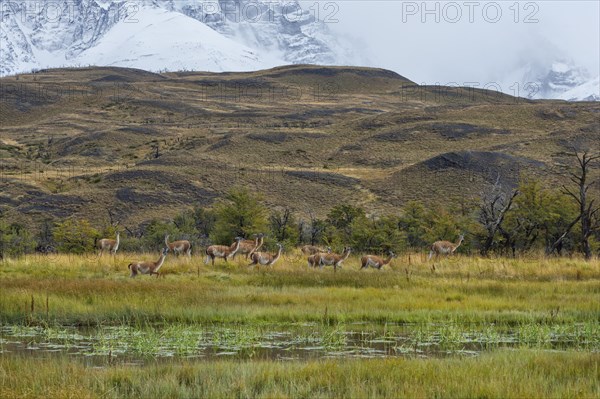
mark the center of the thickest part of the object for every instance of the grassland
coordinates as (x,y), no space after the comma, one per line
(537,298)
(91,290)
(511,374)
(534,296)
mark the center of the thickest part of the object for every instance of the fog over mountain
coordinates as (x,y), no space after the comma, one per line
(513,46)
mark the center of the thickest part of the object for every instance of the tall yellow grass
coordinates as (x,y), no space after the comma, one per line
(84,289)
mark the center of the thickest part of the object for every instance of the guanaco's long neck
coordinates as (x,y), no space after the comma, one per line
(277,256)
(118,238)
(346,254)
(388,260)
(167,240)
(160,262)
(460,240)
(237,246)
(256,246)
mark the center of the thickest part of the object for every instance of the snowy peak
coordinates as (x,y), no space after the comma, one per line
(567,81)
(588,91)
(163,35)
(149,45)
(563,76)
(559,79)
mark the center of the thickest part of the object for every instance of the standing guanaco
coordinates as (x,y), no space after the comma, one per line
(444,247)
(147,267)
(179,247)
(109,245)
(222,251)
(265,258)
(249,246)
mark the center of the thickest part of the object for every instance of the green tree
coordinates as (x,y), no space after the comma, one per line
(75,236)
(15,240)
(538,218)
(423,226)
(415,221)
(185,222)
(154,234)
(239,214)
(376,236)
(442,224)
(343,218)
(562,213)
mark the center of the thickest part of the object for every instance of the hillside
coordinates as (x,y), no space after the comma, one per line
(79,141)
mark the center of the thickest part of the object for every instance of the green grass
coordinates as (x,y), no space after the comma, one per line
(535,300)
(91,291)
(503,374)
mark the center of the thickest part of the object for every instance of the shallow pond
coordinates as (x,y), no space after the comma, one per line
(290,341)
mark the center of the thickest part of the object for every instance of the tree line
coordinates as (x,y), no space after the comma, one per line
(509,222)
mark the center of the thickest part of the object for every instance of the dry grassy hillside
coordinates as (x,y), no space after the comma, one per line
(77,141)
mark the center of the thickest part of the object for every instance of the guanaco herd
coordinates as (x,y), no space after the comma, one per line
(316,256)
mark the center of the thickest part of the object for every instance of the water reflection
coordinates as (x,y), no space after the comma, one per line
(289,341)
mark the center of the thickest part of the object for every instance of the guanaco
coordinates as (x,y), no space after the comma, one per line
(179,247)
(109,245)
(148,267)
(312,259)
(265,258)
(222,251)
(376,261)
(444,247)
(336,260)
(247,247)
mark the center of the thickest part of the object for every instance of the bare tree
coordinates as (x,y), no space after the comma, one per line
(557,246)
(492,210)
(315,228)
(588,211)
(280,223)
(155,149)
(111,217)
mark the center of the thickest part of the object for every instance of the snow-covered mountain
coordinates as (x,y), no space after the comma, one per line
(148,46)
(223,35)
(164,35)
(588,91)
(558,79)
